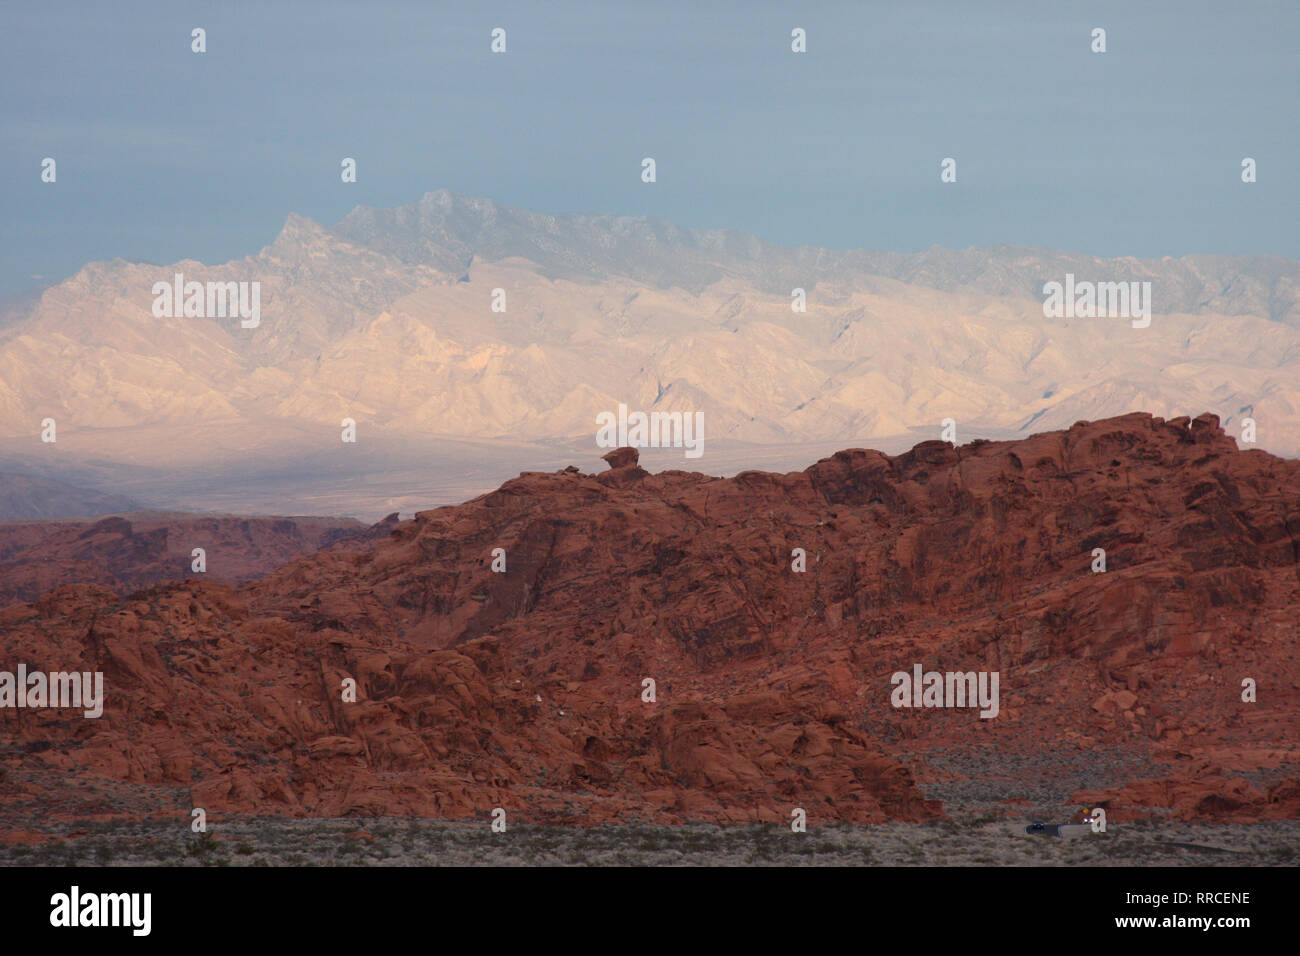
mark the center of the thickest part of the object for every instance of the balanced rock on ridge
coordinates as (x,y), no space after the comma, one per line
(623,466)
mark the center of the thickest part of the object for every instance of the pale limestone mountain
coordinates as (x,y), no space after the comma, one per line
(386,319)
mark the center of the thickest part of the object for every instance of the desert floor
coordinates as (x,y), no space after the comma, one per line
(975,841)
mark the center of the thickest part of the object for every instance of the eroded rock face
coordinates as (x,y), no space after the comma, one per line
(525,689)
(1201,792)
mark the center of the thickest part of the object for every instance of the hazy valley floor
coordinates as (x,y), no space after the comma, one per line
(403,473)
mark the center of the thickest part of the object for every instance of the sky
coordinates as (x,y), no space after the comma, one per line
(165,154)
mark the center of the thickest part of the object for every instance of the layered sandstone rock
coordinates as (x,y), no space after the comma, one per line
(526,689)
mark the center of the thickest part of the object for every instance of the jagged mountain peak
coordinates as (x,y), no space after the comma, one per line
(301,232)
(389,315)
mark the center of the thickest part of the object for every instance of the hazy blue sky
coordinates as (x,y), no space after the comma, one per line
(165,154)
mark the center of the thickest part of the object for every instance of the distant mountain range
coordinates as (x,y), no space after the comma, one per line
(387,319)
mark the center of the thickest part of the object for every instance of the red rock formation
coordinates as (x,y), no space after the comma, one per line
(1202,792)
(523,689)
(125,552)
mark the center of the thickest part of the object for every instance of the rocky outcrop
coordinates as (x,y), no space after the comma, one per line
(1202,793)
(679,647)
(126,552)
